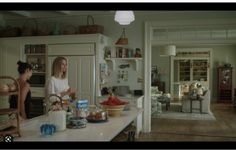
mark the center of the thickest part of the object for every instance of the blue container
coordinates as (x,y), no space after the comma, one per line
(47,129)
(82,104)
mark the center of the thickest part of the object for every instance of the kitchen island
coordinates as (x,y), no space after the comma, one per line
(105,131)
(134,101)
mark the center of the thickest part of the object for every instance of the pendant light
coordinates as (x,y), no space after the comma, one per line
(169,50)
(124,17)
(122,40)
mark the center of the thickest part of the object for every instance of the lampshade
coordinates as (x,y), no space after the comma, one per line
(124,17)
(169,50)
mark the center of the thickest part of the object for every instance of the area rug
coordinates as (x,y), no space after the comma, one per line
(175,113)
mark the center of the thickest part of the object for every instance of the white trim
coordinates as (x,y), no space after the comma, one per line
(149,42)
(147,79)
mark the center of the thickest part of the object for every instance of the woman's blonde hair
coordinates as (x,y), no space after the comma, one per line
(56,67)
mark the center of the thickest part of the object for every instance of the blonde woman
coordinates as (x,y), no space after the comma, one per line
(58,82)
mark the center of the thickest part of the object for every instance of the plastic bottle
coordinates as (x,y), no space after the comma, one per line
(68,115)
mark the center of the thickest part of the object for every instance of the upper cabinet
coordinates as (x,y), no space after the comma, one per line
(36,55)
(191,70)
(191,66)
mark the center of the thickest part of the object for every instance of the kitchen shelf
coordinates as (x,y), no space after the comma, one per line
(11,129)
(113,60)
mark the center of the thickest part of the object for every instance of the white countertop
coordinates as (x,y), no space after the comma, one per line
(105,131)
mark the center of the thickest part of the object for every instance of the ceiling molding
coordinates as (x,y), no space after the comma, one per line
(65,12)
(22,13)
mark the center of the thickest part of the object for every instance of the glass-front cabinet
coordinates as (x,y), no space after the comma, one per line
(200,70)
(187,70)
(184,70)
(189,67)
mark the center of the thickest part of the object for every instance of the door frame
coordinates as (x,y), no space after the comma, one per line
(148,42)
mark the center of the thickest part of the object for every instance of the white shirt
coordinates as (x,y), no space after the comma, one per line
(56,86)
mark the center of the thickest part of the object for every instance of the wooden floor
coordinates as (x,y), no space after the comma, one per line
(223,129)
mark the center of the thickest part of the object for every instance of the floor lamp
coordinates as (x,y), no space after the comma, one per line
(168,51)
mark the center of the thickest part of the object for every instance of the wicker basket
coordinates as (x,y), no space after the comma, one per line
(28,30)
(114,111)
(68,30)
(43,30)
(10,32)
(90,28)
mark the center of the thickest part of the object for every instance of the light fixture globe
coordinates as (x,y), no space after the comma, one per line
(169,50)
(124,17)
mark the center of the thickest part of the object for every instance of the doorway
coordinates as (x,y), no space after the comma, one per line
(188,36)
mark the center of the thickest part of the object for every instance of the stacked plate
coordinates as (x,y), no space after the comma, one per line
(76,123)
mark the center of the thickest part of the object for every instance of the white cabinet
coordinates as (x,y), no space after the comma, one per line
(81,75)
(190,66)
(71,49)
(13,49)
(10,53)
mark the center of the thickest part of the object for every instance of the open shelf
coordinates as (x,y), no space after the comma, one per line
(113,60)
(11,129)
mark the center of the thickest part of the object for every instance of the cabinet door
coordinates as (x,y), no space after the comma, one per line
(184,70)
(71,49)
(81,75)
(200,70)
(225,78)
(9,55)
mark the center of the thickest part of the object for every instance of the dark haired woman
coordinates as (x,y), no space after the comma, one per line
(25,72)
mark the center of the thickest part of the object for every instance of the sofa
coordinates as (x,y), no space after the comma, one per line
(195,104)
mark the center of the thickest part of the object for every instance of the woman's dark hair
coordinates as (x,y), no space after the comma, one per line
(23,66)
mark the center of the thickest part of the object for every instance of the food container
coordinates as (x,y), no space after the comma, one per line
(59,119)
(96,115)
(47,129)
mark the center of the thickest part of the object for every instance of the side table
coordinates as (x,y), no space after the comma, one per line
(164,100)
(200,104)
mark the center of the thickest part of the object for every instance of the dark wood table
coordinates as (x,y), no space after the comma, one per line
(200,104)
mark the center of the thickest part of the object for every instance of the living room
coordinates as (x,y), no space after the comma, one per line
(197,63)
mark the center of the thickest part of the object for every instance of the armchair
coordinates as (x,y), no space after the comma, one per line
(195,104)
